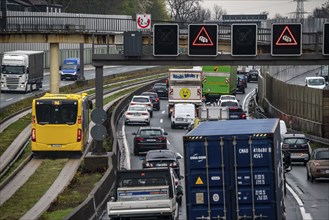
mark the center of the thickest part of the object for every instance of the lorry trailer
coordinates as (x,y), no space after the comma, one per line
(22,71)
(234,170)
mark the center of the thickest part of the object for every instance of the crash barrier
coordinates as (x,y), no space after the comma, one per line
(95,203)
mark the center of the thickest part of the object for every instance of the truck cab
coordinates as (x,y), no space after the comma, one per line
(70,69)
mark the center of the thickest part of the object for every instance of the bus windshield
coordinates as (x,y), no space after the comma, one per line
(56,111)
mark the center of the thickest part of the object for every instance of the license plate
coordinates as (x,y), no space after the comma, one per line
(137,114)
(161,91)
(179,119)
(296,154)
(161,165)
(234,116)
(253,76)
(151,140)
(56,145)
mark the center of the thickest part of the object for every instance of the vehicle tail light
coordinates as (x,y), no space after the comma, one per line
(148,104)
(34,135)
(162,138)
(129,113)
(132,103)
(139,139)
(157,99)
(173,164)
(243,116)
(79,135)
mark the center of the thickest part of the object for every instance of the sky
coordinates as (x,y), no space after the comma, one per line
(283,7)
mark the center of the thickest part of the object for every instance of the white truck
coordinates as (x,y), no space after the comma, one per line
(22,71)
(144,193)
(185,86)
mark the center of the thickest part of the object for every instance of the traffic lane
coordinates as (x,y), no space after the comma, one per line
(89,73)
(300,79)
(315,196)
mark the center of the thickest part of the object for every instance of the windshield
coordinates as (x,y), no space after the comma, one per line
(316,82)
(13,69)
(322,155)
(295,141)
(56,111)
(69,67)
(229,104)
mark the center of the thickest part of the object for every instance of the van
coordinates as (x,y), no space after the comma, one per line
(182,115)
(317,82)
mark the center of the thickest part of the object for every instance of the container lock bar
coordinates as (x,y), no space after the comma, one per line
(207,173)
(252,176)
(236,178)
(223,178)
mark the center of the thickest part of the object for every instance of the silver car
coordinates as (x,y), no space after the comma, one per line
(137,114)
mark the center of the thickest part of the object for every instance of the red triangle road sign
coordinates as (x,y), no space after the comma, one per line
(286,38)
(202,39)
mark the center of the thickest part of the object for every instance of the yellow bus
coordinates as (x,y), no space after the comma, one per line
(60,122)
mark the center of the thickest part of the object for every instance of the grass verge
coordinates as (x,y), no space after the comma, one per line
(30,193)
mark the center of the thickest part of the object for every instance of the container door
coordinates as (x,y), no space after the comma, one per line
(206,180)
(252,178)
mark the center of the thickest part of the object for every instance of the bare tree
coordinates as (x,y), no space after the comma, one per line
(218,12)
(143,5)
(200,15)
(183,10)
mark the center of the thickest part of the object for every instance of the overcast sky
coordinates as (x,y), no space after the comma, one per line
(283,7)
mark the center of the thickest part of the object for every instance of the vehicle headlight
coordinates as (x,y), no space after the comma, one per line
(60,72)
(74,73)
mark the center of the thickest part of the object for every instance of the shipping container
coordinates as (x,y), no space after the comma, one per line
(233,170)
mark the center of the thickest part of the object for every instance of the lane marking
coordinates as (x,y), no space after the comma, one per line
(125,144)
(168,141)
(9,99)
(163,112)
(304,214)
(161,120)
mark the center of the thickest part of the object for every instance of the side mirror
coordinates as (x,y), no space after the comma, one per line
(286,161)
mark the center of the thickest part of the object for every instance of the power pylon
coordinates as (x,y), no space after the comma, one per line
(300,9)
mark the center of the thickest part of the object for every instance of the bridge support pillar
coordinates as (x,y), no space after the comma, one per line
(54,68)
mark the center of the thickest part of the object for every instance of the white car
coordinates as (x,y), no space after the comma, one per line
(317,82)
(229,103)
(137,114)
(226,97)
(143,100)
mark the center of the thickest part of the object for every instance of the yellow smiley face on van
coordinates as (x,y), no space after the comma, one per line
(185,93)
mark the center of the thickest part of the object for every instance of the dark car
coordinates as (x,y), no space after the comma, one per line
(154,98)
(149,138)
(161,89)
(237,113)
(253,75)
(318,165)
(241,85)
(162,158)
(298,146)
(244,78)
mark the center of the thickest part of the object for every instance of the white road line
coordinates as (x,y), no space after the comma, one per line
(161,120)
(163,112)
(168,141)
(300,203)
(9,99)
(125,144)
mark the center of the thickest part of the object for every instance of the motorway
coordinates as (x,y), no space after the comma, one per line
(89,73)
(304,200)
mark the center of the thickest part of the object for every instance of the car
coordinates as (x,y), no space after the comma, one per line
(162,158)
(244,78)
(235,110)
(253,75)
(226,97)
(161,89)
(137,114)
(143,100)
(318,165)
(154,98)
(149,138)
(298,146)
(240,85)
(317,82)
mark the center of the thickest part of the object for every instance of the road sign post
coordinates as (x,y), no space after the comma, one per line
(244,40)
(165,40)
(202,40)
(286,40)
(325,50)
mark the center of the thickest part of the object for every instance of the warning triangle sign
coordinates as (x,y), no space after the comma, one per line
(202,39)
(199,181)
(286,38)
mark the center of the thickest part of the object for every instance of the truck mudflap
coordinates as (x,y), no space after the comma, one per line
(232,179)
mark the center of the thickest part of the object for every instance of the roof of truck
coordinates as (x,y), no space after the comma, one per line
(235,127)
(20,52)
